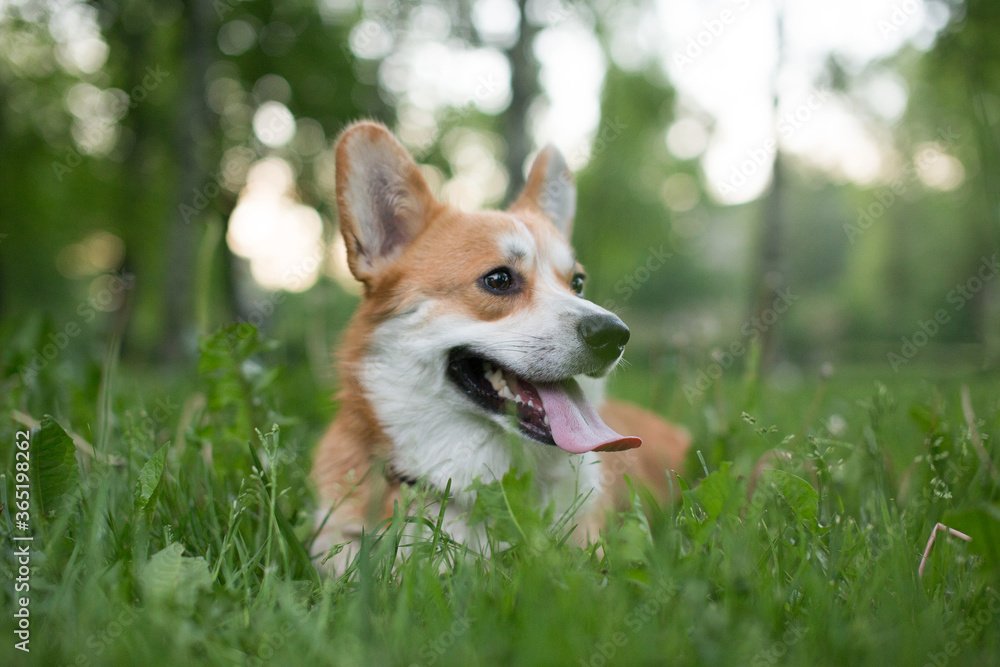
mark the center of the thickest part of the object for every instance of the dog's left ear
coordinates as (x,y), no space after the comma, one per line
(382,200)
(550,190)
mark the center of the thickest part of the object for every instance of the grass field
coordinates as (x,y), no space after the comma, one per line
(175,542)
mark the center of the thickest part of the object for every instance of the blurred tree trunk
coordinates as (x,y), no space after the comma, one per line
(524,88)
(768,278)
(989,157)
(968,55)
(981,85)
(769,275)
(133,196)
(192,126)
(4,205)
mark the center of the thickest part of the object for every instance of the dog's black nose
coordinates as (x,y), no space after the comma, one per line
(605,335)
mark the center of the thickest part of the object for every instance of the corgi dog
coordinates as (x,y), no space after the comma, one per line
(473,351)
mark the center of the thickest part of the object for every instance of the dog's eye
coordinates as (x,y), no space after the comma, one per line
(498,280)
(577,284)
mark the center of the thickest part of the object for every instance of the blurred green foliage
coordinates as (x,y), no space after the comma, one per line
(184,78)
(176,543)
(167,539)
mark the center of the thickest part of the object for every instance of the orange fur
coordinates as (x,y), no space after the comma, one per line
(664,446)
(441,255)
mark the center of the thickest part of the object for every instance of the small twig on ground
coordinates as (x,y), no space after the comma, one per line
(930,543)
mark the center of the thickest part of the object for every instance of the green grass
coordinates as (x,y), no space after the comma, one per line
(172,546)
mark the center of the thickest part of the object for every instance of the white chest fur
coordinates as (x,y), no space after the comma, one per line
(438,435)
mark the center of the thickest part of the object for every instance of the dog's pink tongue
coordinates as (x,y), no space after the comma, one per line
(576,426)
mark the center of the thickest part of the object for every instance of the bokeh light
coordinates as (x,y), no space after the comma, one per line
(280,237)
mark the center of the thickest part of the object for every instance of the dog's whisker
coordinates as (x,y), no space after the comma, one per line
(448,399)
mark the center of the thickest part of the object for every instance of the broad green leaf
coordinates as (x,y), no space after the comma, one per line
(147,489)
(715,490)
(56,471)
(170,577)
(797,492)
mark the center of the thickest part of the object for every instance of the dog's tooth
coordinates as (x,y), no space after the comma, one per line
(545,420)
(495,379)
(530,404)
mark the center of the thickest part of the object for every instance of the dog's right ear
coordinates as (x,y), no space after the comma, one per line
(550,190)
(382,199)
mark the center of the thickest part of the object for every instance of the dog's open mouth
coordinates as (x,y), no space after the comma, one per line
(554,413)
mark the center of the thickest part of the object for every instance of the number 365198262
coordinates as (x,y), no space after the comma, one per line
(22,488)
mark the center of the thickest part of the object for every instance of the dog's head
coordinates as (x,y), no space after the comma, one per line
(476,320)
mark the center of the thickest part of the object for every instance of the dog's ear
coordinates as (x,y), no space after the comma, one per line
(382,199)
(550,190)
